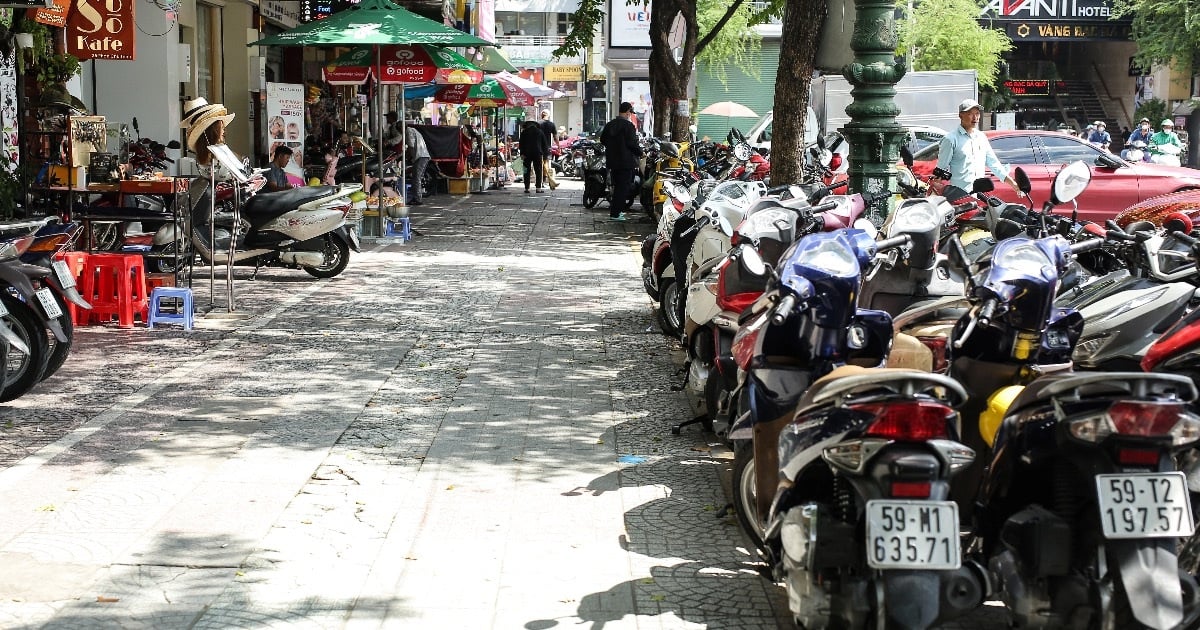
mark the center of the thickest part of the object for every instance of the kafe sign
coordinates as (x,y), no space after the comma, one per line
(101,29)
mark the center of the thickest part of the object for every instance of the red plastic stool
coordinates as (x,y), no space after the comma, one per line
(115,284)
(76,262)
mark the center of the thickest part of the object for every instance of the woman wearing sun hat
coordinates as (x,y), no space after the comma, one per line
(205,124)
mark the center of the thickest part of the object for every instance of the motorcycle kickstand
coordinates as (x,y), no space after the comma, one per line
(686,375)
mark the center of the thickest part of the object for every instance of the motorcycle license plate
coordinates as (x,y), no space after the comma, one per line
(63,273)
(912,535)
(47,299)
(1144,505)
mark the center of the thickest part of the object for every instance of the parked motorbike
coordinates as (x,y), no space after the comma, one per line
(597,182)
(32,305)
(300,228)
(1066,459)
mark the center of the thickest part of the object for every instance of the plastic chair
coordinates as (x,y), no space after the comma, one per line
(114,284)
(183,315)
(398,227)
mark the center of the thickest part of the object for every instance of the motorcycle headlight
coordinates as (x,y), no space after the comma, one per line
(915,215)
(905,178)
(832,257)
(1025,257)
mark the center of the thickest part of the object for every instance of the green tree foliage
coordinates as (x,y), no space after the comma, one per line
(1155,109)
(944,35)
(1165,31)
(735,45)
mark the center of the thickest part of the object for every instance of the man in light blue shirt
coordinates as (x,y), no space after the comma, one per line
(966,154)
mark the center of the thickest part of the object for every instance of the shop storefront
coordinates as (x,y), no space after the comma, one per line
(1070,62)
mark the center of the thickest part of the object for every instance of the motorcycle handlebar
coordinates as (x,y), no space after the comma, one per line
(781,311)
(893,242)
(1087,246)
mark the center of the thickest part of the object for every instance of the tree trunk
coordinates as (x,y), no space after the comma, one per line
(801,34)
(668,79)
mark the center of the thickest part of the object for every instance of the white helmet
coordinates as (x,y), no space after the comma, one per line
(1167,122)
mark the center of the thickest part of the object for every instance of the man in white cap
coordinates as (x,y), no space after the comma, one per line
(1099,135)
(966,154)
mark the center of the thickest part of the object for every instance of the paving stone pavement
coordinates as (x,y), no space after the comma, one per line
(468,430)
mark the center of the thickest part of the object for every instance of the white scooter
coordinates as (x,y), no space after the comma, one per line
(1165,154)
(300,228)
(1135,151)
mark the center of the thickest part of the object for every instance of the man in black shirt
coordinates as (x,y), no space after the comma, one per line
(621,151)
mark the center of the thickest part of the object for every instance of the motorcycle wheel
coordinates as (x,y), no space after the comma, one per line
(59,350)
(670,308)
(23,371)
(745,494)
(337,256)
(104,237)
(163,259)
(590,200)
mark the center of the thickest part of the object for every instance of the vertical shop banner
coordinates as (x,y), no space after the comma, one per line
(102,29)
(285,124)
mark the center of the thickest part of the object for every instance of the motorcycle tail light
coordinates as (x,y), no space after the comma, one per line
(911,489)
(1137,457)
(50,243)
(835,162)
(1140,418)
(937,345)
(909,420)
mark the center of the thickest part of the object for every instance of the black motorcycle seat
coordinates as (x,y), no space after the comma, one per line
(266,206)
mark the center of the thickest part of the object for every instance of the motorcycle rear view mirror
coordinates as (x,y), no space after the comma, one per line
(1070,182)
(983,184)
(174,144)
(135,126)
(752,261)
(906,155)
(1022,178)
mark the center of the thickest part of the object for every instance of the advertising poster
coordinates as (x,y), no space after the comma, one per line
(285,125)
(637,92)
(628,24)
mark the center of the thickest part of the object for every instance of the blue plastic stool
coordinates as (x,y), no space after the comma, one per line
(184,314)
(398,227)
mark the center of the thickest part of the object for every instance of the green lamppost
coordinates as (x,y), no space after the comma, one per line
(873,133)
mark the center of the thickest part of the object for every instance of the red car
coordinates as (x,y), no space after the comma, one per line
(1116,183)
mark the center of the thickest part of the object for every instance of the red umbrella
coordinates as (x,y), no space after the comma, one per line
(411,64)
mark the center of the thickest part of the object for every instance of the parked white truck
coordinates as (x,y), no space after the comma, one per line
(926,99)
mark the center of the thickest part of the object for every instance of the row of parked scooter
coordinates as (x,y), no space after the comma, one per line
(976,401)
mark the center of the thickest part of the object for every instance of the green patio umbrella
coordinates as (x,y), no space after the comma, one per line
(375,23)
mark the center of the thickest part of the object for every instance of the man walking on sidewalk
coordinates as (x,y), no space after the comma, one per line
(621,151)
(550,131)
